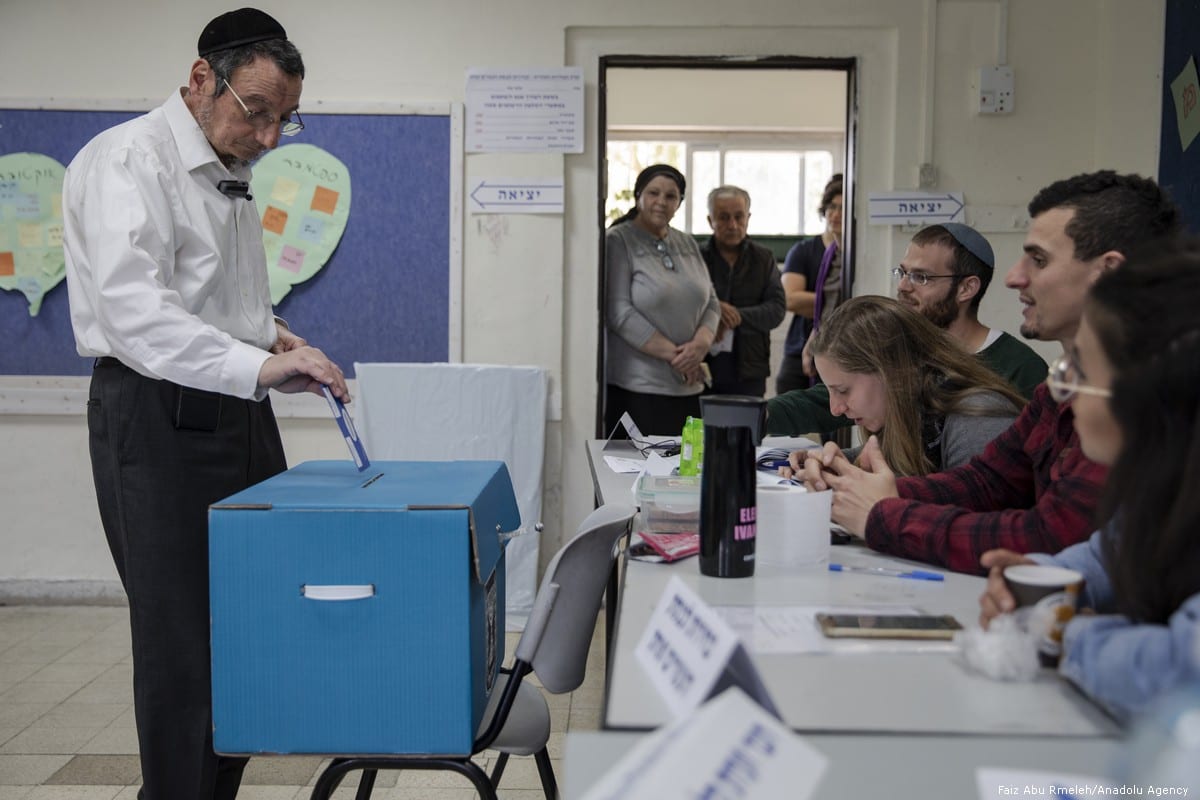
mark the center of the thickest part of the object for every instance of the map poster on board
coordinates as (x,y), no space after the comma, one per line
(31,226)
(303,195)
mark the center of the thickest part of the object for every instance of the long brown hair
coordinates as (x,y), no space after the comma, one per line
(1144,314)
(924,371)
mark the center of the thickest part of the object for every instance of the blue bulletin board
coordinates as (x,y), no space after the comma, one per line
(1179,167)
(384,295)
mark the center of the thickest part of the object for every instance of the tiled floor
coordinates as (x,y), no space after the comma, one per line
(67,730)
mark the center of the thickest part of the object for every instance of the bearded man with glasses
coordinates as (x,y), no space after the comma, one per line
(167,280)
(943,276)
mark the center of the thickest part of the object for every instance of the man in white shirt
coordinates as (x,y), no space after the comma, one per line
(168,289)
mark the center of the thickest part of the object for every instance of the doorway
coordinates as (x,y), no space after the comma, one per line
(779,127)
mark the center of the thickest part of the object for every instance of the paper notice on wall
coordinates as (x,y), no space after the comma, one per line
(1187,113)
(525,110)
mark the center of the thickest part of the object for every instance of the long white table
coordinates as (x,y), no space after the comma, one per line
(880,692)
(898,766)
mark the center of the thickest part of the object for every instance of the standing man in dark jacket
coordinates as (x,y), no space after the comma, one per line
(748,286)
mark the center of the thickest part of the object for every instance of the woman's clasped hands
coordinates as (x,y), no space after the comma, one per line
(857,487)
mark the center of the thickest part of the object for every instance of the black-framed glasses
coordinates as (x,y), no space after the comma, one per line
(1063,381)
(917,278)
(668,262)
(261,120)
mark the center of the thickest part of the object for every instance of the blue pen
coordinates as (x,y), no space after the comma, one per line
(915,574)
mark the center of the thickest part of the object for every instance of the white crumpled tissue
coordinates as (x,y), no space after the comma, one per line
(1003,652)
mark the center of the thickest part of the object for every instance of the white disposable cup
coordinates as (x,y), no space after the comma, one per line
(793,527)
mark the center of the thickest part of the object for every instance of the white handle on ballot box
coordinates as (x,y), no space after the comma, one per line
(335,592)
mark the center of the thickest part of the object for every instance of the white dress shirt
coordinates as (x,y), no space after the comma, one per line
(164,272)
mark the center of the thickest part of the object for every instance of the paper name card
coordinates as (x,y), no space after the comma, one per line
(685,648)
(349,433)
(631,430)
(729,748)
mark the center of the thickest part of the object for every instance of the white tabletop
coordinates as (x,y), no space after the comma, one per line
(878,691)
(875,692)
(883,766)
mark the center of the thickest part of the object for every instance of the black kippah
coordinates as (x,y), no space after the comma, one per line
(653,171)
(238,28)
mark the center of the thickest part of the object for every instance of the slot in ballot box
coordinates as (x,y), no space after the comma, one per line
(358,613)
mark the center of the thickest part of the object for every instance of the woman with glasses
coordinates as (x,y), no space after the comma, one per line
(660,308)
(1132,377)
(931,404)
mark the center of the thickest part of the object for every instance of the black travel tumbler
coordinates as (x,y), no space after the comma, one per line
(733,427)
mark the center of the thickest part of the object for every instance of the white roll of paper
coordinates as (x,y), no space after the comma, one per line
(793,527)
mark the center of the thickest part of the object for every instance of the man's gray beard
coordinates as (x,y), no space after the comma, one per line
(204,120)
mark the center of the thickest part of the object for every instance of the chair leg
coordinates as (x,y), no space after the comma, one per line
(546,773)
(477,776)
(333,774)
(366,784)
(498,770)
(330,778)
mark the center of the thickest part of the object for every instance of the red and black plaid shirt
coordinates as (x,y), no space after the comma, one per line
(1031,490)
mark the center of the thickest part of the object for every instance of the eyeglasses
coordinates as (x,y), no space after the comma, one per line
(666,257)
(1064,384)
(261,120)
(917,278)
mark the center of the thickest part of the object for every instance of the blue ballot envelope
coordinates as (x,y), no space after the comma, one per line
(359,612)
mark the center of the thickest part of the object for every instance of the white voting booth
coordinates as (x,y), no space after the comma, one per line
(447,412)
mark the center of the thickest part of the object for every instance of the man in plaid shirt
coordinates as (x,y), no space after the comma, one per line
(1032,489)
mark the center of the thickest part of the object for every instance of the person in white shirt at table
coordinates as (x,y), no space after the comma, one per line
(1132,376)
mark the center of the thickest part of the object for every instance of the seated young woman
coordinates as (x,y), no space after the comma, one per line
(1133,381)
(930,403)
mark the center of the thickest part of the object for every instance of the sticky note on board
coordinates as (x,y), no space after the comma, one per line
(291,259)
(274,220)
(285,191)
(7,264)
(324,199)
(29,235)
(312,229)
(29,206)
(1186,92)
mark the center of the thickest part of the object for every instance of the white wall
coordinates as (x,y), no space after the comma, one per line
(1087,89)
(811,100)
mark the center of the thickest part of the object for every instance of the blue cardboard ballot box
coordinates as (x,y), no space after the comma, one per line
(358,613)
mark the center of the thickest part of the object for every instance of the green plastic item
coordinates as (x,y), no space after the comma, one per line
(691,444)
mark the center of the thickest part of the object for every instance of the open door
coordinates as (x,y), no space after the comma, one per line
(778,126)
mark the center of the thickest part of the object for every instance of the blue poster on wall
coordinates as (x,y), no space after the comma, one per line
(1179,149)
(383,295)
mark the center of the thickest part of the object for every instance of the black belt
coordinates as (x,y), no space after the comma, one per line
(107,361)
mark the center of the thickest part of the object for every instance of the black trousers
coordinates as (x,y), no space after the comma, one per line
(791,375)
(725,378)
(161,454)
(654,414)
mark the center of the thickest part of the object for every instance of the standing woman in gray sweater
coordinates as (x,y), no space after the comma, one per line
(661,310)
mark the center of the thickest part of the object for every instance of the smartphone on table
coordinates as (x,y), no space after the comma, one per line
(888,626)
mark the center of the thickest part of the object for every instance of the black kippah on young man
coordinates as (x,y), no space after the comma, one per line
(238,28)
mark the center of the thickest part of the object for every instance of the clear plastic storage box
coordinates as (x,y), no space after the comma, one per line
(669,503)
